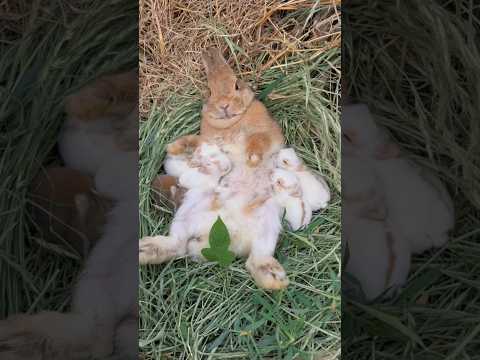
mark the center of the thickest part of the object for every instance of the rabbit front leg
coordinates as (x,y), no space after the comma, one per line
(185,144)
(258,145)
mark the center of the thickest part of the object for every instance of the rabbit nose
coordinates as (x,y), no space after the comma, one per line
(225,109)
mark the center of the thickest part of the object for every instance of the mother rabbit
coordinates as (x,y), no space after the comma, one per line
(240,124)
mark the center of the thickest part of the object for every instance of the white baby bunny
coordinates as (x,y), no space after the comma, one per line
(418,204)
(315,189)
(288,193)
(206,168)
(176,165)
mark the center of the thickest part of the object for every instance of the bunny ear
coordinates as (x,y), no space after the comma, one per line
(216,67)
(213,59)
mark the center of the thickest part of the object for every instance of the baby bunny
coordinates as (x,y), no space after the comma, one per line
(288,194)
(418,204)
(176,165)
(315,189)
(206,168)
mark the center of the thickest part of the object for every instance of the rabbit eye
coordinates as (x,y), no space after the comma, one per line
(285,161)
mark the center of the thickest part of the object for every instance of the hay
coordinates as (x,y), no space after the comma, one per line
(190,310)
(430,103)
(261,34)
(48,49)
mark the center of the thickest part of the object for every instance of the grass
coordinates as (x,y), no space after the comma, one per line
(429,102)
(202,311)
(49,49)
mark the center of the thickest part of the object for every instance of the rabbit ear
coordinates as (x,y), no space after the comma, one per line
(213,60)
(216,66)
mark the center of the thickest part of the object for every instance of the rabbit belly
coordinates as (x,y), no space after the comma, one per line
(257,231)
(238,189)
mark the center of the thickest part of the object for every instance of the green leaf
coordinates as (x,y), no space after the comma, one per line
(219,236)
(219,241)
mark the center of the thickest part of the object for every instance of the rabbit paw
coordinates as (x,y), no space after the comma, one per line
(254,160)
(186,144)
(267,273)
(152,250)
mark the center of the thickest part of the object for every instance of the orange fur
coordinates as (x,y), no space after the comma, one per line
(162,186)
(184,144)
(106,97)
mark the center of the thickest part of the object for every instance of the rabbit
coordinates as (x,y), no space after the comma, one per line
(233,117)
(315,189)
(177,164)
(99,140)
(67,210)
(418,203)
(242,127)
(377,257)
(288,193)
(208,164)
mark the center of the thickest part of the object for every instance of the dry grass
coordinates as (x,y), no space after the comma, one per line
(174,32)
